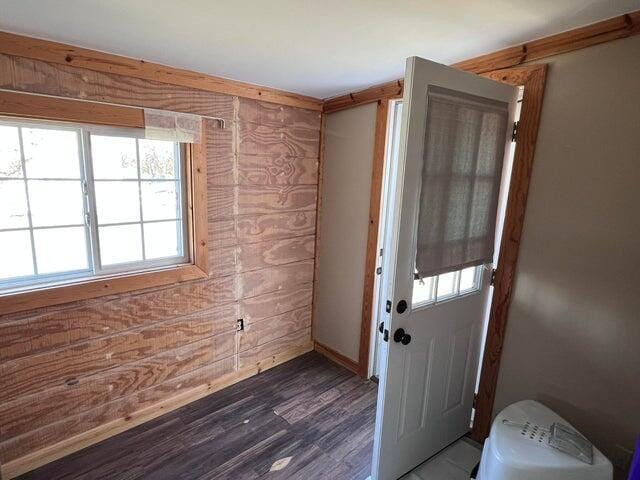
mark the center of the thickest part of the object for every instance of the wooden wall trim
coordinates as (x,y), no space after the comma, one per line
(605,31)
(54,52)
(316,246)
(336,357)
(375,200)
(41,107)
(533,79)
(68,446)
(612,29)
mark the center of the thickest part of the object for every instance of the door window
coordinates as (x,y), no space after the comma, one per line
(446,286)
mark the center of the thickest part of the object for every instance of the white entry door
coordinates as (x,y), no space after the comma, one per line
(433,323)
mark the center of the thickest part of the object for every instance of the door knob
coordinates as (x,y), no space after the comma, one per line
(402,306)
(400,336)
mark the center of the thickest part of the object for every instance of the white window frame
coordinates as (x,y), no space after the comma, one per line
(456,294)
(95,269)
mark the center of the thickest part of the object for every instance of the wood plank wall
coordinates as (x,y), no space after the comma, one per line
(67,370)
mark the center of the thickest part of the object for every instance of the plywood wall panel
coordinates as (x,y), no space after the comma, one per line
(274,279)
(222,202)
(111,411)
(222,233)
(260,307)
(223,261)
(268,329)
(38,372)
(30,412)
(255,355)
(270,253)
(271,114)
(255,139)
(277,170)
(28,75)
(85,366)
(269,199)
(273,226)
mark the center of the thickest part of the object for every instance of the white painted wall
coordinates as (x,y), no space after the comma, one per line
(573,333)
(344,223)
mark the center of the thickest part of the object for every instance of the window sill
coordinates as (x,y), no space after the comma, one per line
(97,287)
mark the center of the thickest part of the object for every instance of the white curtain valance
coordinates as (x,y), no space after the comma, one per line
(172,126)
(464,146)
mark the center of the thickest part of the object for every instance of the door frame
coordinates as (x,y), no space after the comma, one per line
(532,77)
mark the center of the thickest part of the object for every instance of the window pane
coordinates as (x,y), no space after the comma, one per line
(10,162)
(159,201)
(56,202)
(60,249)
(15,254)
(423,291)
(468,279)
(13,204)
(51,153)
(162,239)
(120,244)
(113,157)
(157,159)
(446,285)
(117,202)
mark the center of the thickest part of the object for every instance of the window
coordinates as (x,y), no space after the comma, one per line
(446,286)
(87,201)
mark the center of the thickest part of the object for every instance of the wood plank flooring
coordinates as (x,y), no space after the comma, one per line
(310,415)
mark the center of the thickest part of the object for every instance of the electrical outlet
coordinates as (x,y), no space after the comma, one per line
(621,458)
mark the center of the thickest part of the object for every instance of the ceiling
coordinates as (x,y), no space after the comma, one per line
(320,48)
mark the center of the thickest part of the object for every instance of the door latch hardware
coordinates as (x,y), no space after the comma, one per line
(400,336)
(493,277)
(514,132)
(381,327)
(388,307)
(378,270)
(385,336)
(240,325)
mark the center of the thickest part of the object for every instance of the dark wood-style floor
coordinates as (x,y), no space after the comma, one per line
(309,409)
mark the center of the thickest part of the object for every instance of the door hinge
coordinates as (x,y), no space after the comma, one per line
(240,325)
(493,277)
(475,400)
(514,132)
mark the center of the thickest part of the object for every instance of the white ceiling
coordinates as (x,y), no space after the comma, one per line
(320,48)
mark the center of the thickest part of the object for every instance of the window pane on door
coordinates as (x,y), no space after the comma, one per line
(113,157)
(50,153)
(117,202)
(13,204)
(60,249)
(10,160)
(423,291)
(468,279)
(162,239)
(15,254)
(446,285)
(56,202)
(120,244)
